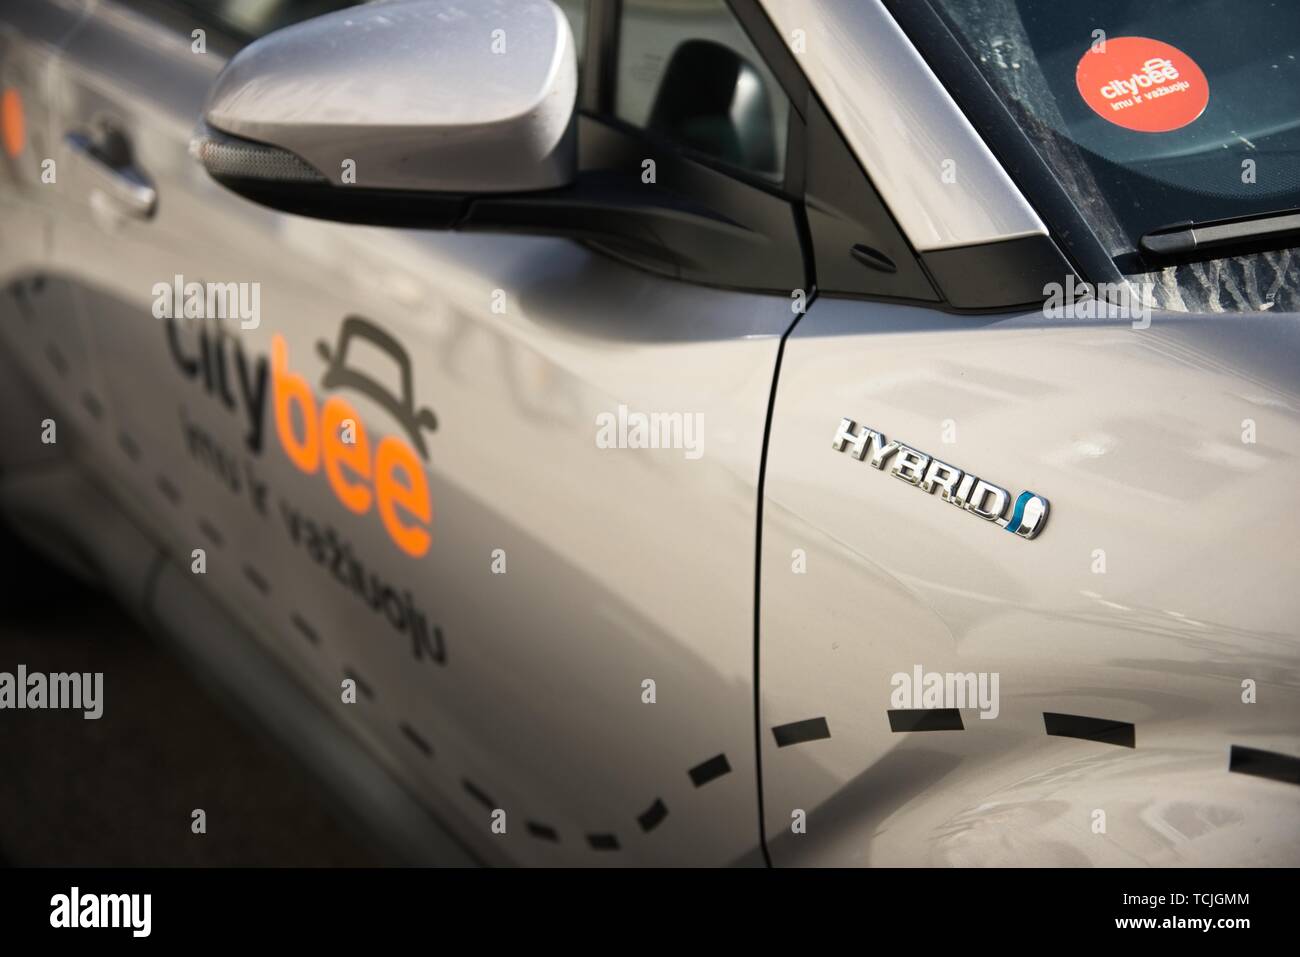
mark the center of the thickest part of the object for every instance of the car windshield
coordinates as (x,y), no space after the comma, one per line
(1150,112)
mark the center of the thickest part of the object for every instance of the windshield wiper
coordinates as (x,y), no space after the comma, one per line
(1217,234)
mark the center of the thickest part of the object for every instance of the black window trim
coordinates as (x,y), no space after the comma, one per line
(967,86)
(596,99)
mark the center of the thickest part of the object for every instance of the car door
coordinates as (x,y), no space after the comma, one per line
(1112,684)
(47,349)
(547,613)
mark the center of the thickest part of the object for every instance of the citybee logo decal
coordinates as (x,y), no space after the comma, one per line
(968,492)
(1142,84)
(386,475)
(391,477)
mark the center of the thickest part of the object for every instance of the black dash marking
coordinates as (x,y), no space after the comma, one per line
(653,816)
(128,446)
(210,530)
(708,770)
(1264,764)
(439,652)
(256,579)
(170,491)
(56,359)
(799,732)
(477,795)
(542,831)
(1119,733)
(301,624)
(603,842)
(925,719)
(362,686)
(414,737)
(92,404)
(20,296)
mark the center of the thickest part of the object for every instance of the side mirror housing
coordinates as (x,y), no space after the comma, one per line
(411,96)
(460,115)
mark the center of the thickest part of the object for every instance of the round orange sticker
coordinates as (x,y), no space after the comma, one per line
(1142,84)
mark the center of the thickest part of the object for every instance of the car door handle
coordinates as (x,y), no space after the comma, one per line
(120,180)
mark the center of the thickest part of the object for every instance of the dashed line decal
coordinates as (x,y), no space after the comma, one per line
(542,831)
(415,738)
(210,530)
(709,770)
(477,794)
(1119,733)
(92,405)
(648,820)
(925,719)
(801,732)
(308,631)
(653,816)
(257,579)
(1264,764)
(129,446)
(19,295)
(362,685)
(169,490)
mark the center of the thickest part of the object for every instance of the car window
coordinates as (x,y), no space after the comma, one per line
(687,72)
(1151,113)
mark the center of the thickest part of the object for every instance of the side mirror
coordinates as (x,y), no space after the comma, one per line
(460,115)
(356,114)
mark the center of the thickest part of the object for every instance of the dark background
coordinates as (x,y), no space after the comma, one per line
(119,791)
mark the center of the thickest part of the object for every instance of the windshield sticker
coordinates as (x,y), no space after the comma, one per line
(1142,84)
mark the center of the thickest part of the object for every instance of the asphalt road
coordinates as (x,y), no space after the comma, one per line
(119,791)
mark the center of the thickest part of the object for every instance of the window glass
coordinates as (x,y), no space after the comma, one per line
(1151,113)
(686,71)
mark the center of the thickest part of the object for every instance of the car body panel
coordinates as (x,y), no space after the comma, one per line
(503,666)
(523,691)
(36,307)
(1161,582)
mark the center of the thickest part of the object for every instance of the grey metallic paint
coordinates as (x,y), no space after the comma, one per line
(416,93)
(625,566)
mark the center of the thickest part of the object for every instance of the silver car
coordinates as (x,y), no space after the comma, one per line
(790,432)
